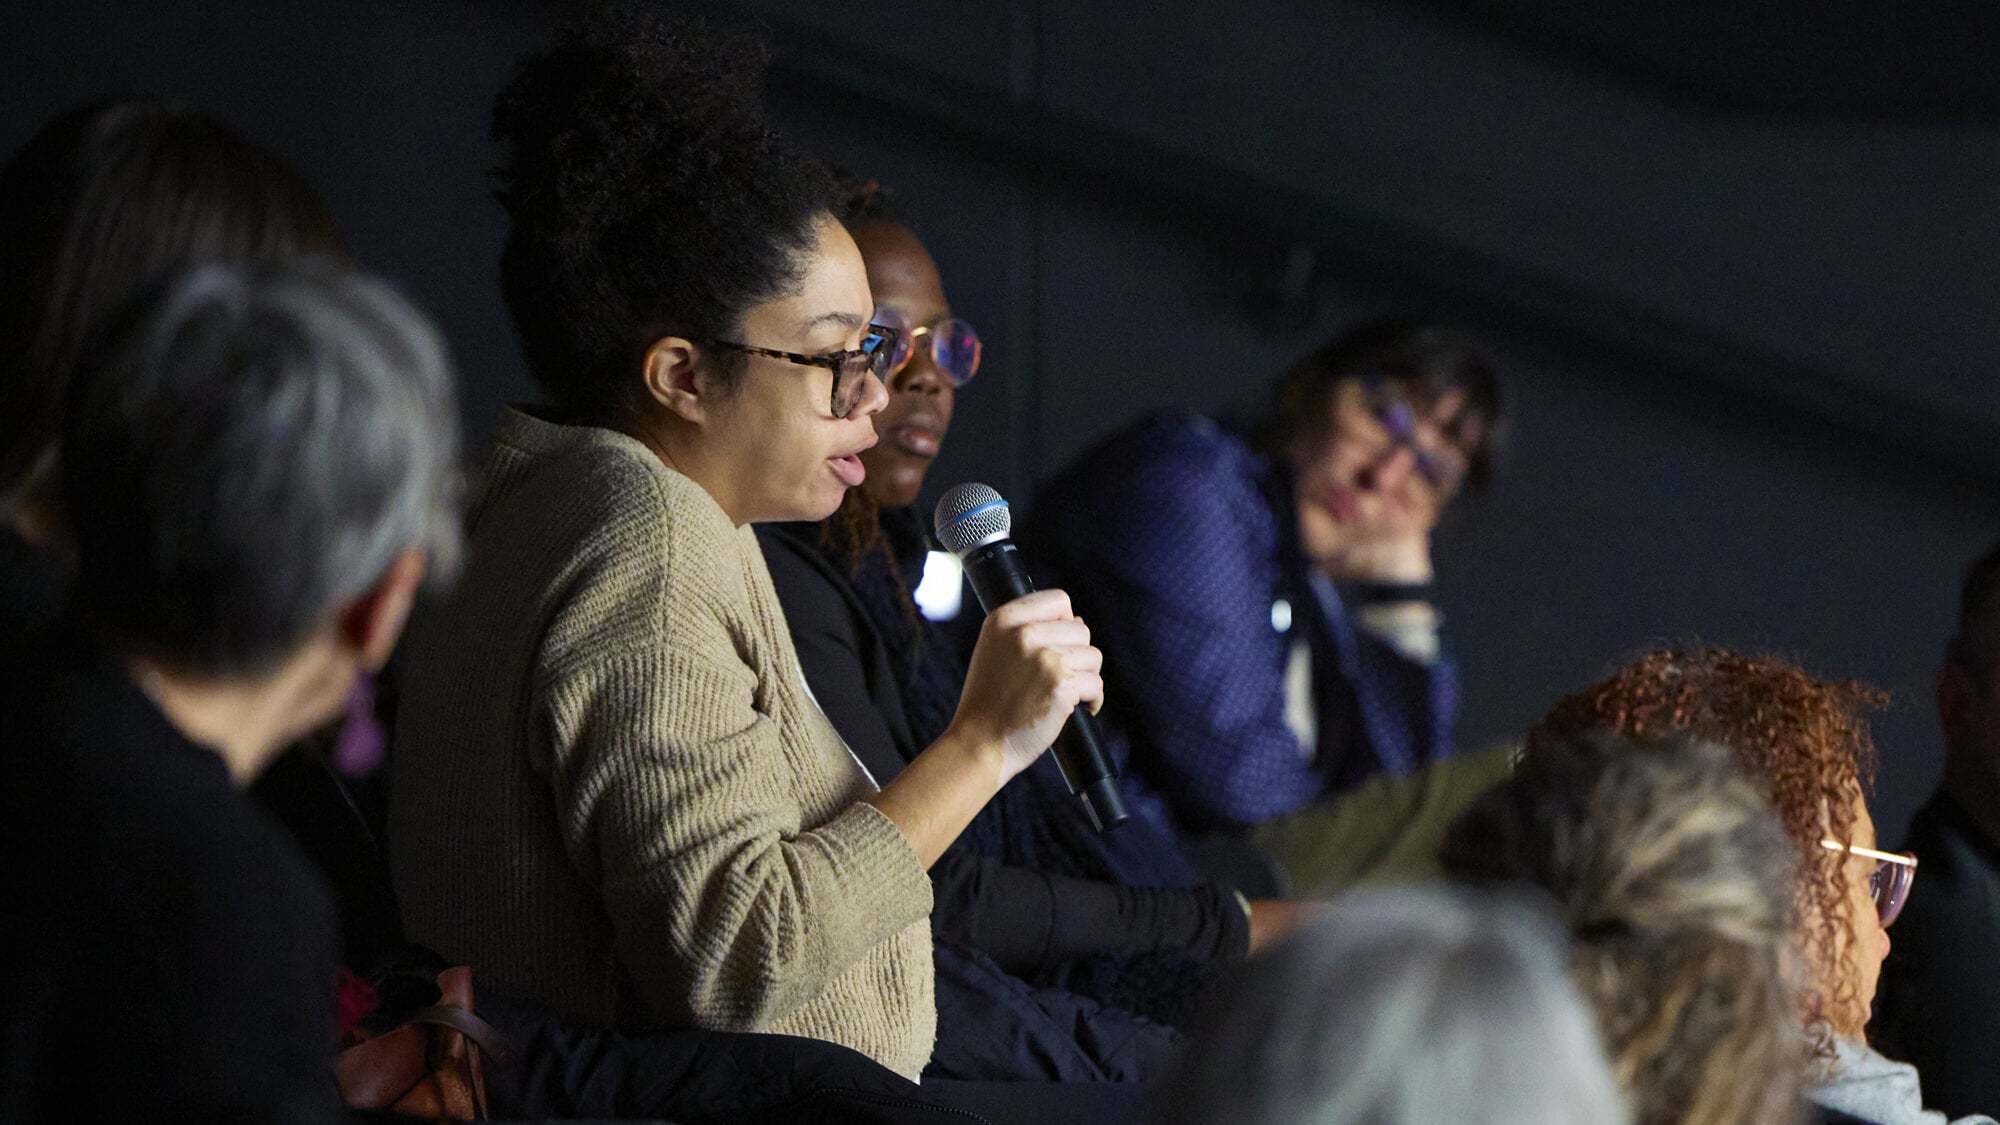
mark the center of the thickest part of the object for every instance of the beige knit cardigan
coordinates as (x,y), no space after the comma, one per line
(612,794)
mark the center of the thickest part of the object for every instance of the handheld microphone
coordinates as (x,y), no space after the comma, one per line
(973,522)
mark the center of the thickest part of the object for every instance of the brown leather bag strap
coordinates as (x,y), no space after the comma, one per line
(482,1034)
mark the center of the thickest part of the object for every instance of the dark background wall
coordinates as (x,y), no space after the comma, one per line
(1744,276)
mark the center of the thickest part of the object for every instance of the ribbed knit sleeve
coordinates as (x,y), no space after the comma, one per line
(674,792)
(612,794)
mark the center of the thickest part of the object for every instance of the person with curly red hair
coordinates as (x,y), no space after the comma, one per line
(1806,741)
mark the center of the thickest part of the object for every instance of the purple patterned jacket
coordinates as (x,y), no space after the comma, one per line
(1178,545)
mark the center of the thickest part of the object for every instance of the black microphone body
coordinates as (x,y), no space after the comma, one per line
(998,577)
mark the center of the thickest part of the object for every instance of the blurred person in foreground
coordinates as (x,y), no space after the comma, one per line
(1400,1007)
(100,203)
(1939,1003)
(1675,883)
(1806,744)
(1266,599)
(257,472)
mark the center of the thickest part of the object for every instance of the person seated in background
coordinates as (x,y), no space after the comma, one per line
(1674,880)
(1805,743)
(257,472)
(1265,601)
(1407,1006)
(1939,1003)
(612,793)
(102,202)
(1030,883)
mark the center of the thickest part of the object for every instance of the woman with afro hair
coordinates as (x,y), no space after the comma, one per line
(613,793)
(1805,741)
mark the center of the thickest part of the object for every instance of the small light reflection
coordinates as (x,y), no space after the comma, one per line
(941,593)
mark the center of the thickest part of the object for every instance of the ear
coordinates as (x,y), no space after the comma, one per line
(1956,693)
(371,623)
(672,378)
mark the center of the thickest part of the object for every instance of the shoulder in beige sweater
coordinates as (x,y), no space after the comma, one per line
(611,793)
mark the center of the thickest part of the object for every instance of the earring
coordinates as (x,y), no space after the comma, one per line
(361,746)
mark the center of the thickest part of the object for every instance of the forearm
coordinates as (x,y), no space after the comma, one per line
(1028,920)
(1407,706)
(939,793)
(1205,923)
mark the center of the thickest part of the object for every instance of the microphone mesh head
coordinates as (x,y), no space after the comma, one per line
(970,515)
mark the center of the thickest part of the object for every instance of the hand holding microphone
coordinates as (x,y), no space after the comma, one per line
(1056,699)
(1033,665)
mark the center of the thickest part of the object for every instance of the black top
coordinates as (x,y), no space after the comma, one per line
(1938,1006)
(1025,920)
(169,957)
(30,589)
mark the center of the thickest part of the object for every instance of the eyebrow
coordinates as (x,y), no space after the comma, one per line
(844,319)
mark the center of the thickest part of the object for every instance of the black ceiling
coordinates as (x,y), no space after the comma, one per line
(1937,60)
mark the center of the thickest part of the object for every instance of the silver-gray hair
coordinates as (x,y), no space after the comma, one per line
(1401,1007)
(252,450)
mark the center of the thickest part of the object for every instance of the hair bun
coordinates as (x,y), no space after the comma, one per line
(625,93)
(646,192)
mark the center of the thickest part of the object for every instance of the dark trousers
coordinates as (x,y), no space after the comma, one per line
(996,1028)
(723,1078)
(693,1077)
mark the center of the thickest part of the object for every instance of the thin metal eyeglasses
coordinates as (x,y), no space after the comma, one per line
(1890,883)
(851,366)
(1399,419)
(954,346)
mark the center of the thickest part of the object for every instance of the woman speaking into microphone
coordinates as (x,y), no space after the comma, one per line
(613,792)
(1118,917)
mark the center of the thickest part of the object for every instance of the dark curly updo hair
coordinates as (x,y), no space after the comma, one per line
(857,200)
(647,196)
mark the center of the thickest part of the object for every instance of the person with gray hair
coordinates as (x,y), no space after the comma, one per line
(1401,1007)
(261,450)
(102,202)
(258,471)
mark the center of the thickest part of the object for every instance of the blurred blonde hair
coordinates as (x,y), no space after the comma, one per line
(1675,881)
